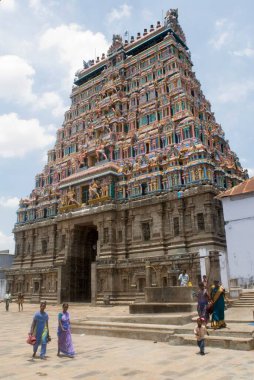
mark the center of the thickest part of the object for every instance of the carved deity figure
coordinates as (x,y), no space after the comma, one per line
(100,151)
(69,198)
(94,190)
(82,158)
(171,20)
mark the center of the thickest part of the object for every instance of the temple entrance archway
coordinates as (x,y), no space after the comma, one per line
(83,255)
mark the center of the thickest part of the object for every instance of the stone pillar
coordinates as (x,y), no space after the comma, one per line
(148,275)
(204,262)
(59,281)
(224,272)
(93,284)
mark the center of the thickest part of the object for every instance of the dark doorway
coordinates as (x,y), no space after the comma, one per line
(141,284)
(83,254)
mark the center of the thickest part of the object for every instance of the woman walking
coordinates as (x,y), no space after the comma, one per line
(65,345)
(218,299)
(40,330)
(203,299)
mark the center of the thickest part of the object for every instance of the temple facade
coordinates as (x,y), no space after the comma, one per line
(127,197)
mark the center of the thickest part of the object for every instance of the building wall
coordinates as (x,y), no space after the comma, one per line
(140,243)
(239,227)
(6,260)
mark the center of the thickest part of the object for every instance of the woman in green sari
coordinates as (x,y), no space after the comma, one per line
(218,299)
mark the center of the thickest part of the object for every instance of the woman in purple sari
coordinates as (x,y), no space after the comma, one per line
(65,345)
(203,298)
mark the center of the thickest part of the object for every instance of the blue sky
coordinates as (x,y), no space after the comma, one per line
(43,44)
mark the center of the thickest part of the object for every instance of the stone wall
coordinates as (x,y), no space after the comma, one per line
(142,243)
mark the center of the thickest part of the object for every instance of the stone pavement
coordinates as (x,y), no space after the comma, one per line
(105,358)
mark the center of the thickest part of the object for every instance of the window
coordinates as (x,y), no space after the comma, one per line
(36,287)
(186,133)
(146,231)
(144,188)
(176,227)
(44,246)
(201,221)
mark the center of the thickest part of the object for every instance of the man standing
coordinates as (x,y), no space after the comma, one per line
(183,278)
(7,300)
(20,301)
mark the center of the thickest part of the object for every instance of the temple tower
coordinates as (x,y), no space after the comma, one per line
(127,198)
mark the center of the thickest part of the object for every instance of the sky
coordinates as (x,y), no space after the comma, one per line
(44,42)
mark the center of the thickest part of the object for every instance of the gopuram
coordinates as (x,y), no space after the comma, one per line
(127,197)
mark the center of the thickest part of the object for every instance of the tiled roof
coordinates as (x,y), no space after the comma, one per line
(243,188)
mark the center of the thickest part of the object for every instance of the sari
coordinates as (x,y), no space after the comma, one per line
(40,332)
(202,305)
(217,296)
(64,335)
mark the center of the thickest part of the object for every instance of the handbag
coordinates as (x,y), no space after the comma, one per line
(31,339)
(209,307)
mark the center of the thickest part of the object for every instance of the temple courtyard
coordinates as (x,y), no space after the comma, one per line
(101,357)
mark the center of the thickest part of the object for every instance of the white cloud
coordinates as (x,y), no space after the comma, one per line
(16,79)
(117,14)
(247,52)
(35,4)
(250,172)
(72,44)
(235,92)
(19,137)
(6,242)
(8,5)
(9,202)
(53,101)
(223,35)
(42,8)
(16,85)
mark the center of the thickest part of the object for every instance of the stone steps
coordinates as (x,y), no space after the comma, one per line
(250,305)
(245,300)
(173,319)
(243,303)
(154,332)
(162,307)
(225,332)
(233,343)
(234,338)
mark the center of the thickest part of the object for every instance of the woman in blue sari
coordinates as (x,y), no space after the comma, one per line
(40,330)
(65,345)
(218,299)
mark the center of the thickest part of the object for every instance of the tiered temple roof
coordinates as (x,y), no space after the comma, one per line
(138,125)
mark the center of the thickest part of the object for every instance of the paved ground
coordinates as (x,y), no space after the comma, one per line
(104,358)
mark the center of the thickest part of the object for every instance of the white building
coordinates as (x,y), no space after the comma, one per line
(6,260)
(238,208)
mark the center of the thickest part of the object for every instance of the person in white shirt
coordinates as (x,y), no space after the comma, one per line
(7,300)
(183,278)
(200,332)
